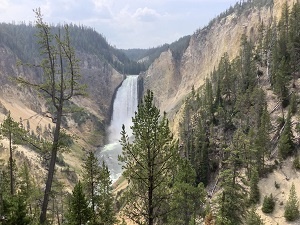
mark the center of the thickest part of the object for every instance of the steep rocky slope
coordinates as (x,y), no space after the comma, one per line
(171,79)
(26,106)
(99,76)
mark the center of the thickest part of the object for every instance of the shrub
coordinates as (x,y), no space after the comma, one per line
(277,186)
(296,163)
(291,209)
(253,218)
(268,204)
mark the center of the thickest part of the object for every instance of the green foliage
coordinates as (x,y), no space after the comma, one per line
(231,201)
(61,81)
(29,190)
(232,111)
(199,157)
(285,143)
(291,209)
(14,208)
(268,204)
(78,210)
(150,160)
(13,130)
(106,209)
(80,117)
(296,163)
(262,141)
(254,195)
(188,201)
(17,211)
(97,186)
(22,41)
(293,103)
(177,48)
(15,134)
(253,218)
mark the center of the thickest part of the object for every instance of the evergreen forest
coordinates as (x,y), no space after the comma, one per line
(22,39)
(229,138)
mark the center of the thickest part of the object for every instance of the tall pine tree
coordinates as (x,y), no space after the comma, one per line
(97,186)
(291,209)
(149,164)
(285,143)
(231,201)
(14,132)
(78,212)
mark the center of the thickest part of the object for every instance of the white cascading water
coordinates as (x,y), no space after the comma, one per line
(125,104)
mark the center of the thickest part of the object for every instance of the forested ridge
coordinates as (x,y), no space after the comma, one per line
(147,56)
(230,136)
(21,39)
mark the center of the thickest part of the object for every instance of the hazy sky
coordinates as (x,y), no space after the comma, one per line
(124,23)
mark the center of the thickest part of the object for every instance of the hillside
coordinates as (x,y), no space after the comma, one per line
(182,90)
(205,49)
(99,73)
(147,56)
(230,91)
(99,63)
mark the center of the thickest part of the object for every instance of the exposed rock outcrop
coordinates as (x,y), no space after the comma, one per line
(100,78)
(172,80)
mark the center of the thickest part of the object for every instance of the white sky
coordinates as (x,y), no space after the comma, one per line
(124,23)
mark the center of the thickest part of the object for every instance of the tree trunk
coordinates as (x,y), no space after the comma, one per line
(92,196)
(11,160)
(150,188)
(51,166)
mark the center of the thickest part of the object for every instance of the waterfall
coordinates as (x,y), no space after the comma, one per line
(125,104)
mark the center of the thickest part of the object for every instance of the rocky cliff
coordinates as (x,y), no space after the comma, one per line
(100,78)
(171,80)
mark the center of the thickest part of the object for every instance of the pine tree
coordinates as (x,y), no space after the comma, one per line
(91,177)
(231,201)
(291,209)
(107,214)
(60,71)
(281,82)
(294,42)
(189,199)
(200,154)
(17,211)
(14,132)
(227,79)
(57,199)
(293,103)
(29,189)
(97,186)
(285,143)
(253,218)
(254,194)
(268,204)
(149,163)
(262,140)
(247,72)
(78,213)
